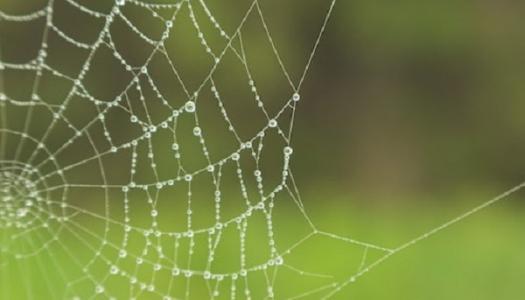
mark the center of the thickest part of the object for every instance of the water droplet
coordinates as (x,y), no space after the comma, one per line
(113,270)
(236,156)
(197,131)
(189,106)
(207,275)
(288,150)
(99,289)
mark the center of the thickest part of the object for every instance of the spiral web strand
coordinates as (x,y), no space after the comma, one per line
(85,194)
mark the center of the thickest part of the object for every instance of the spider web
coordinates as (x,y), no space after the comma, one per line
(125,170)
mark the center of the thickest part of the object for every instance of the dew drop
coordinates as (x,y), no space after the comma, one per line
(99,289)
(197,131)
(207,275)
(189,106)
(288,150)
(113,270)
(236,156)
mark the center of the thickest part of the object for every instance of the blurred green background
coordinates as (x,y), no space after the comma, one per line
(411,113)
